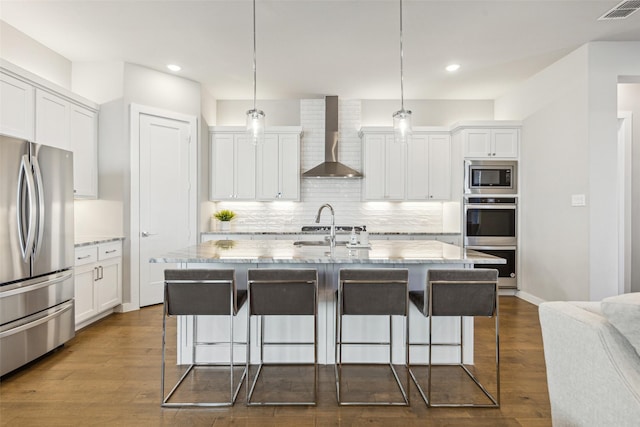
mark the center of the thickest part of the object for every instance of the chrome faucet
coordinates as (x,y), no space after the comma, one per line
(332,232)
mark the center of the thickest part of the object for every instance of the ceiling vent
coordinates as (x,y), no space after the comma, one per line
(621,11)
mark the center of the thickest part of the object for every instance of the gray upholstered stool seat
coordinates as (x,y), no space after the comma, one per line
(458,292)
(372,292)
(281,292)
(201,292)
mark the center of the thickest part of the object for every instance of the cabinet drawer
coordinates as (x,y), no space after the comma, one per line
(109,250)
(86,255)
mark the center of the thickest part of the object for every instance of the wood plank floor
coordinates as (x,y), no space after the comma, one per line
(109,375)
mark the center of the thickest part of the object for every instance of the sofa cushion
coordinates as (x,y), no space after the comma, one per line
(623,312)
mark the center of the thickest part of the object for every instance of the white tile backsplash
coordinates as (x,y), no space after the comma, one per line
(343,194)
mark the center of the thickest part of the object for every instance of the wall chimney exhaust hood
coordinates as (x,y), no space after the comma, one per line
(331,168)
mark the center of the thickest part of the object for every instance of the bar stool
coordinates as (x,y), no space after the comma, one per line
(372,292)
(460,293)
(202,292)
(281,292)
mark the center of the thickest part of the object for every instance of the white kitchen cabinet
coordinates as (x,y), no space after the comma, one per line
(233,167)
(384,167)
(84,144)
(429,167)
(17,108)
(52,120)
(98,281)
(278,169)
(491,143)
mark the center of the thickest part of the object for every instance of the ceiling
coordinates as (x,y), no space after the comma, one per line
(309,48)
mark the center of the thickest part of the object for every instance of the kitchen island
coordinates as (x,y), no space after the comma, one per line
(415,255)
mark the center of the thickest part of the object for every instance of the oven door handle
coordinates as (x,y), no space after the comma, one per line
(492,206)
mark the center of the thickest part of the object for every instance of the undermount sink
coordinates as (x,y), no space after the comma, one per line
(316,243)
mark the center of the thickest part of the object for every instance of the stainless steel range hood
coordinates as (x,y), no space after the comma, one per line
(331,168)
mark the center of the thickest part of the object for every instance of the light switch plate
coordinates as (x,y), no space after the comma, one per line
(578,200)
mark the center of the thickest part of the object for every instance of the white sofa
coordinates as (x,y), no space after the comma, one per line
(592,353)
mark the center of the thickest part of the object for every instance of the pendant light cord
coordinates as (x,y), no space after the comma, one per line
(401,67)
(254,54)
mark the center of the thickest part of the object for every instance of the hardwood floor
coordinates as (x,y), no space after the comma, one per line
(109,374)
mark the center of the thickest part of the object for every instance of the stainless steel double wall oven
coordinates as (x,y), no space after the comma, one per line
(490,222)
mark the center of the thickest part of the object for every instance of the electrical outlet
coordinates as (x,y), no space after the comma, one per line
(578,200)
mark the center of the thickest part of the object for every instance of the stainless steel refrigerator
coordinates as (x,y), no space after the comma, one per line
(36,251)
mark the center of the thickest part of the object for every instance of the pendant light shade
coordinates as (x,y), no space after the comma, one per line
(402,117)
(255,126)
(255,117)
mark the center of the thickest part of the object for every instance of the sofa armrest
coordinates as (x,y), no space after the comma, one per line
(593,372)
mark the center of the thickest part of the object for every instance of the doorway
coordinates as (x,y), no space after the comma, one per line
(165,215)
(624,201)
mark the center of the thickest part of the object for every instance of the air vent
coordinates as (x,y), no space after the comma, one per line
(621,11)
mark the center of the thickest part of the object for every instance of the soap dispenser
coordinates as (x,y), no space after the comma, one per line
(353,239)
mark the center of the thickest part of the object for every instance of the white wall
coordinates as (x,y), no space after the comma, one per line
(426,112)
(284,112)
(569,147)
(23,51)
(629,100)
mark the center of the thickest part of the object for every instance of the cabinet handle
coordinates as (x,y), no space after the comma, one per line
(96,275)
(84,257)
(101,272)
(110,252)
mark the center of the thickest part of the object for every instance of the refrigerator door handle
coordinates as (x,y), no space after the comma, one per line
(40,202)
(25,175)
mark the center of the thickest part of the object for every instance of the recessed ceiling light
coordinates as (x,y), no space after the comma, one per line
(174,67)
(453,67)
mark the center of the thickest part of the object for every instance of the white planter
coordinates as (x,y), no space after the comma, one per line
(225,225)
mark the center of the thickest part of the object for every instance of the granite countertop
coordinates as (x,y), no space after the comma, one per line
(94,240)
(284,251)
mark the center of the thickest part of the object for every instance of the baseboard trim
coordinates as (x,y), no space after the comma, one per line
(529,298)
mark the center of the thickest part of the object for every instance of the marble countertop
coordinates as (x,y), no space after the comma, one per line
(298,232)
(94,240)
(285,252)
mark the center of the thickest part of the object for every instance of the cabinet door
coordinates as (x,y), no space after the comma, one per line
(477,143)
(268,175)
(84,143)
(222,169)
(395,169)
(109,286)
(245,168)
(439,167)
(289,167)
(85,298)
(52,120)
(374,152)
(505,142)
(417,169)
(16,108)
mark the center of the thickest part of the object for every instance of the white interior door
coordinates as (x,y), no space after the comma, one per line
(167,206)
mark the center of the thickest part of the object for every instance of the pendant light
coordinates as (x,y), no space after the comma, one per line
(402,117)
(255,117)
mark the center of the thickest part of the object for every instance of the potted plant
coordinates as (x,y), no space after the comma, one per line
(224,216)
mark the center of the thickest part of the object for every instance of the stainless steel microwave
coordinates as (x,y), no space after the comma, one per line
(490,177)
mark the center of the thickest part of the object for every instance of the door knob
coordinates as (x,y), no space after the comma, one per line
(147,234)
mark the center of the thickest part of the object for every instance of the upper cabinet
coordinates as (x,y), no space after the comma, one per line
(52,120)
(278,169)
(36,110)
(240,170)
(384,167)
(417,171)
(17,109)
(83,135)
(233,167)
(491,143)
(429,167)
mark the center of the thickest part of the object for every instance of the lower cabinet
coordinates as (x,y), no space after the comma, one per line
(98,281)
